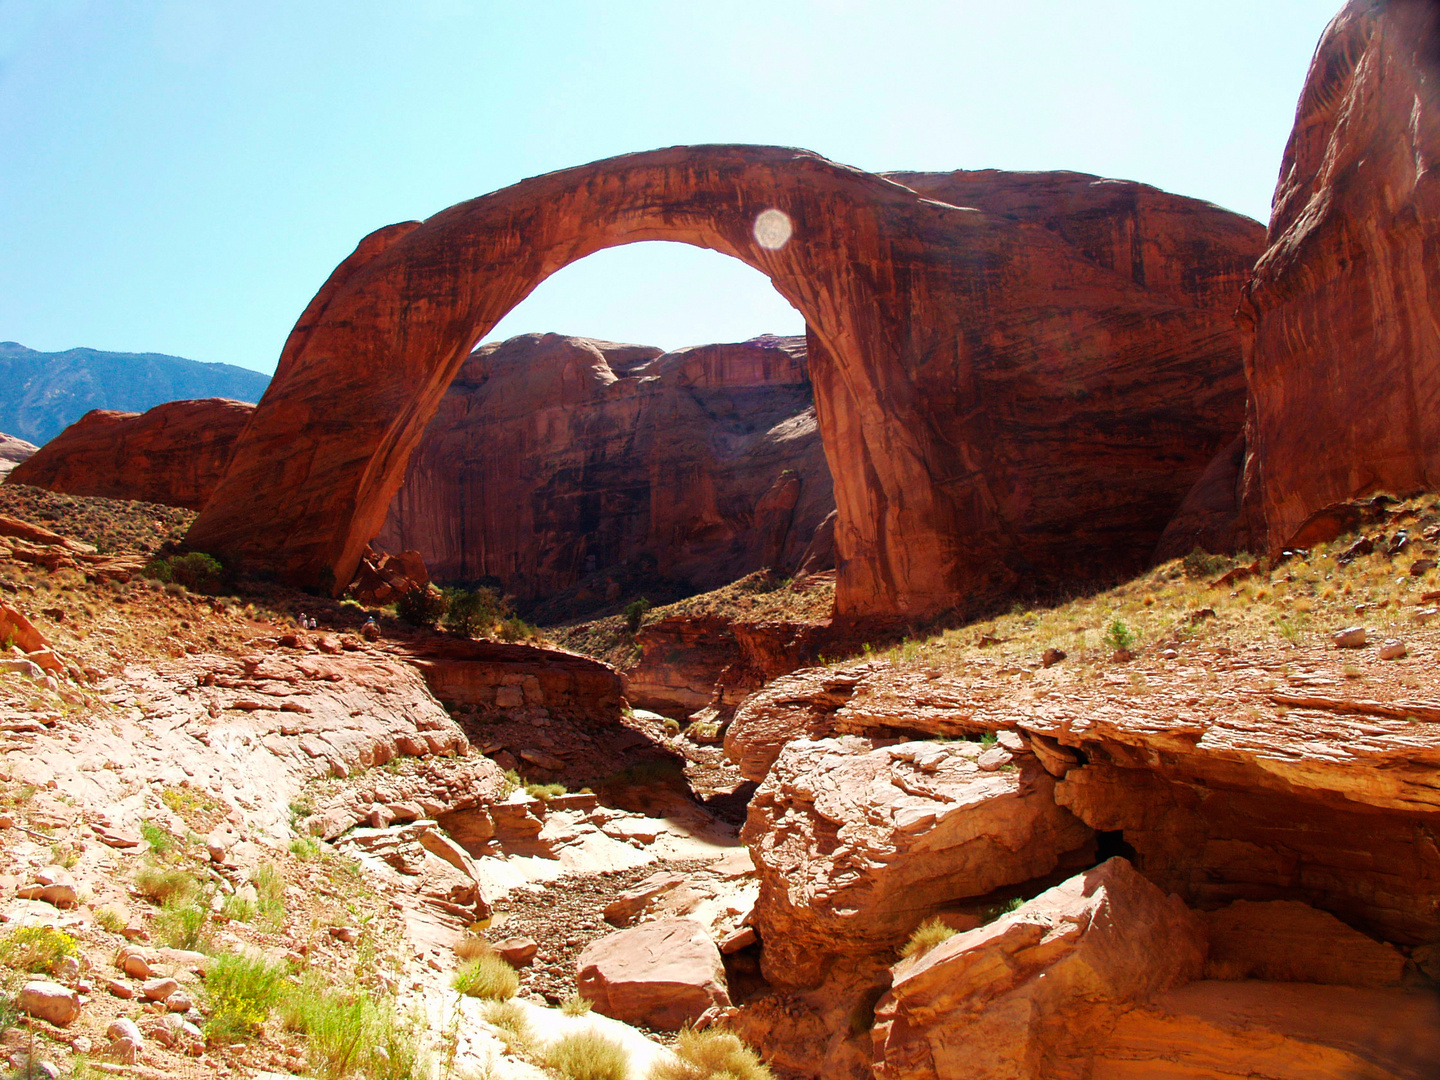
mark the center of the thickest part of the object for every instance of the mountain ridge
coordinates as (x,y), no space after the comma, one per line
(41,393)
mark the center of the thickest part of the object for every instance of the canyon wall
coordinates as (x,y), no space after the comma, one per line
(551,459)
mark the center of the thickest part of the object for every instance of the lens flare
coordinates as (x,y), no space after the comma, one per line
(773,229)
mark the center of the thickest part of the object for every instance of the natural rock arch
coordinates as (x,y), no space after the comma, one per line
(972,369)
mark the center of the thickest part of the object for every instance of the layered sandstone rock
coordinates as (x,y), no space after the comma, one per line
(554,460)
(1023,998)
(1275,1031)
(981,376)
(857,844)
(1287,941)
(1226,787)
(1340,318)
(173,454)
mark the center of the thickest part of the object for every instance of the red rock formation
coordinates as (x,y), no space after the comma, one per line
(554,459)
(1342,315)
(173,454)
(982,381)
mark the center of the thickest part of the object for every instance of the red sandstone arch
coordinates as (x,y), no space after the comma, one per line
(998,402)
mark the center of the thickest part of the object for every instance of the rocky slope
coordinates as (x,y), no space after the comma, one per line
(174,453)
(981,377)
(45,392)
(554,460)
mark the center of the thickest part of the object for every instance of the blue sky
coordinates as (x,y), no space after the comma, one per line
(181,176)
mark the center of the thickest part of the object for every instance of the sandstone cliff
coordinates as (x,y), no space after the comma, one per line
(1339,320)
(173,454)
(553,459)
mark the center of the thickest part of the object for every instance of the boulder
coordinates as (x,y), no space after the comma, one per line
(49,1001)
(624,908)
(974,411)
(1290,941)
(518,952)
(856,844)
(800,705)
(661,975)
(54,885)
(1028,995)
(12,452)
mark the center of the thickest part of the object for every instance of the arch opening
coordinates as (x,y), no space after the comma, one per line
(577,472)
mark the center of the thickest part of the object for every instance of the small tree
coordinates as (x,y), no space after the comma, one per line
(1120,636)
(635,613)
(422,607)
(474,614)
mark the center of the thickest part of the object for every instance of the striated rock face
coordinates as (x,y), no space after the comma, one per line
(1287,941)
(1340,318)
(856,844)
(981,376)
(173,454)
(12,452)
(552,459)
(1024,997)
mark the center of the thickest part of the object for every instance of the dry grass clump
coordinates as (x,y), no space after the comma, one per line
(472,946)
(513,1022)
(575,1005)
(711,1054)
(927,935)
(588,1055)
(487,976)
(165,884)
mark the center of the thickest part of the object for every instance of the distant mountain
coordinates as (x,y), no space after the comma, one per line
(43,393)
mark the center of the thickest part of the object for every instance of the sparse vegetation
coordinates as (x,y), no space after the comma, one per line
(305,848)
(635,613)
(588,1055)
(486,976)
(575,1005)
(242,990)
(545,791)
(474,612)
(714,1054)
(927,935)
(37,949)
(344,1027)
(165,884)
(110,920)
(195,571)
(185,924)
(514,1024)
(1119,636)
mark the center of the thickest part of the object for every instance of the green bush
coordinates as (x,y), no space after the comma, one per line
(710,1055)
(344,1027)
(195,571)
(516,629)
(242,991)
(635,613)
(165,885)
(185,924)
(1120,636)
(588,1055)
(422,607)
(486,976)
(474,613)
(37,949)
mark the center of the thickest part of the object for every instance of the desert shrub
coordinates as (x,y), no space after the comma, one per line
(927,935)
(1005,907)
(162,842)
(486,976)
(237,907)
(305,848)
(516,629)
(473,612)
(109,919)
(545,792)
(241,990)
(195,571)
(710,1055)
(165,884)
(36,949)
(270,893)
(185,924)
(575,1005)
(635,613)
(422,607)
(343,1027)
(1120,636)
(1200,563)
(588,1055)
